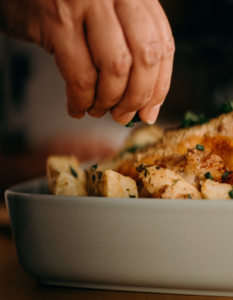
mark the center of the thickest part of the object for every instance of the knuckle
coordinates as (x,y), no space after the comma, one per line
(151,53)
(141,99)
(87,80)
(121,64)
(169,48)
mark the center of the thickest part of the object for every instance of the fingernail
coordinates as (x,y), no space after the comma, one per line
(97,113)
(152,114)
(126,118)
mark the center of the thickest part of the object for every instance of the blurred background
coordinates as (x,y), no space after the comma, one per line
(33,118)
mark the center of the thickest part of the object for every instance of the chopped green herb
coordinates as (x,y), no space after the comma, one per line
(135,119)
(73,172)
(226,107)
(146,171)
(132,196)
(224,175)
(100,175)
(157,168)
(127,190)
(131,150)
(93,177)
(209,176)
(189,196)
(200,147)
(230,193)
(130,124)
(94,167)
(175,181)
(190,119)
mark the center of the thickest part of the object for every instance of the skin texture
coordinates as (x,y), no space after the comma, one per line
(115,55)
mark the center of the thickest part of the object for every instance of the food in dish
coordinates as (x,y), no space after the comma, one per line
(185,163)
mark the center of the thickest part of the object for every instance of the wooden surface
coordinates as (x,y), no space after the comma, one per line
(16,284)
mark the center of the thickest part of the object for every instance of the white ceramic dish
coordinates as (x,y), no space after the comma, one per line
(168,246)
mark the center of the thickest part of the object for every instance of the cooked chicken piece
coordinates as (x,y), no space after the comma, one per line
(221,145)
(215,191)
(65,177)
(196,164)
(222,125)
(192,166)
(166,184)
(111,184)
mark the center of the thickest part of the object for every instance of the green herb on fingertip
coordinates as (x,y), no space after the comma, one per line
(135,119)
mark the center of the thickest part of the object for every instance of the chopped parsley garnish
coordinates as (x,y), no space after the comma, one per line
(230,193)
(226,107)
(209,176)
(93,177)
(73,172)
(200,147)
(190,119)
(224,175)
(132,196)
(175,181)
(135,119)
(146,171)
(99,175)
(189,196)
(130,124)
(94,167)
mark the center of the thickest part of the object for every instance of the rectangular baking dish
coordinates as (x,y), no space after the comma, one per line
(148,245)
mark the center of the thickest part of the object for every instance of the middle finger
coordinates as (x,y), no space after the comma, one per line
(144,43)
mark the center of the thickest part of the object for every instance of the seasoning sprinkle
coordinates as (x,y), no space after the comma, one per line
(175,181)
(200,147)
(189,196)
(73,172)
(209,176)
(224,175)
(157,168)
(94,167)
(132,196)
(230,193)
(146,171)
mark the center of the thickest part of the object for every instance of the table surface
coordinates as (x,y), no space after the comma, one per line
(16,284)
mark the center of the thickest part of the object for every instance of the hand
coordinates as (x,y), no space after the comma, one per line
(115,55)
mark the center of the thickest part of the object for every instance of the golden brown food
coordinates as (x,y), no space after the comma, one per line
(190,163)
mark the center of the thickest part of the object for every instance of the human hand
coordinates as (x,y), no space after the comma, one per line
(115,55)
